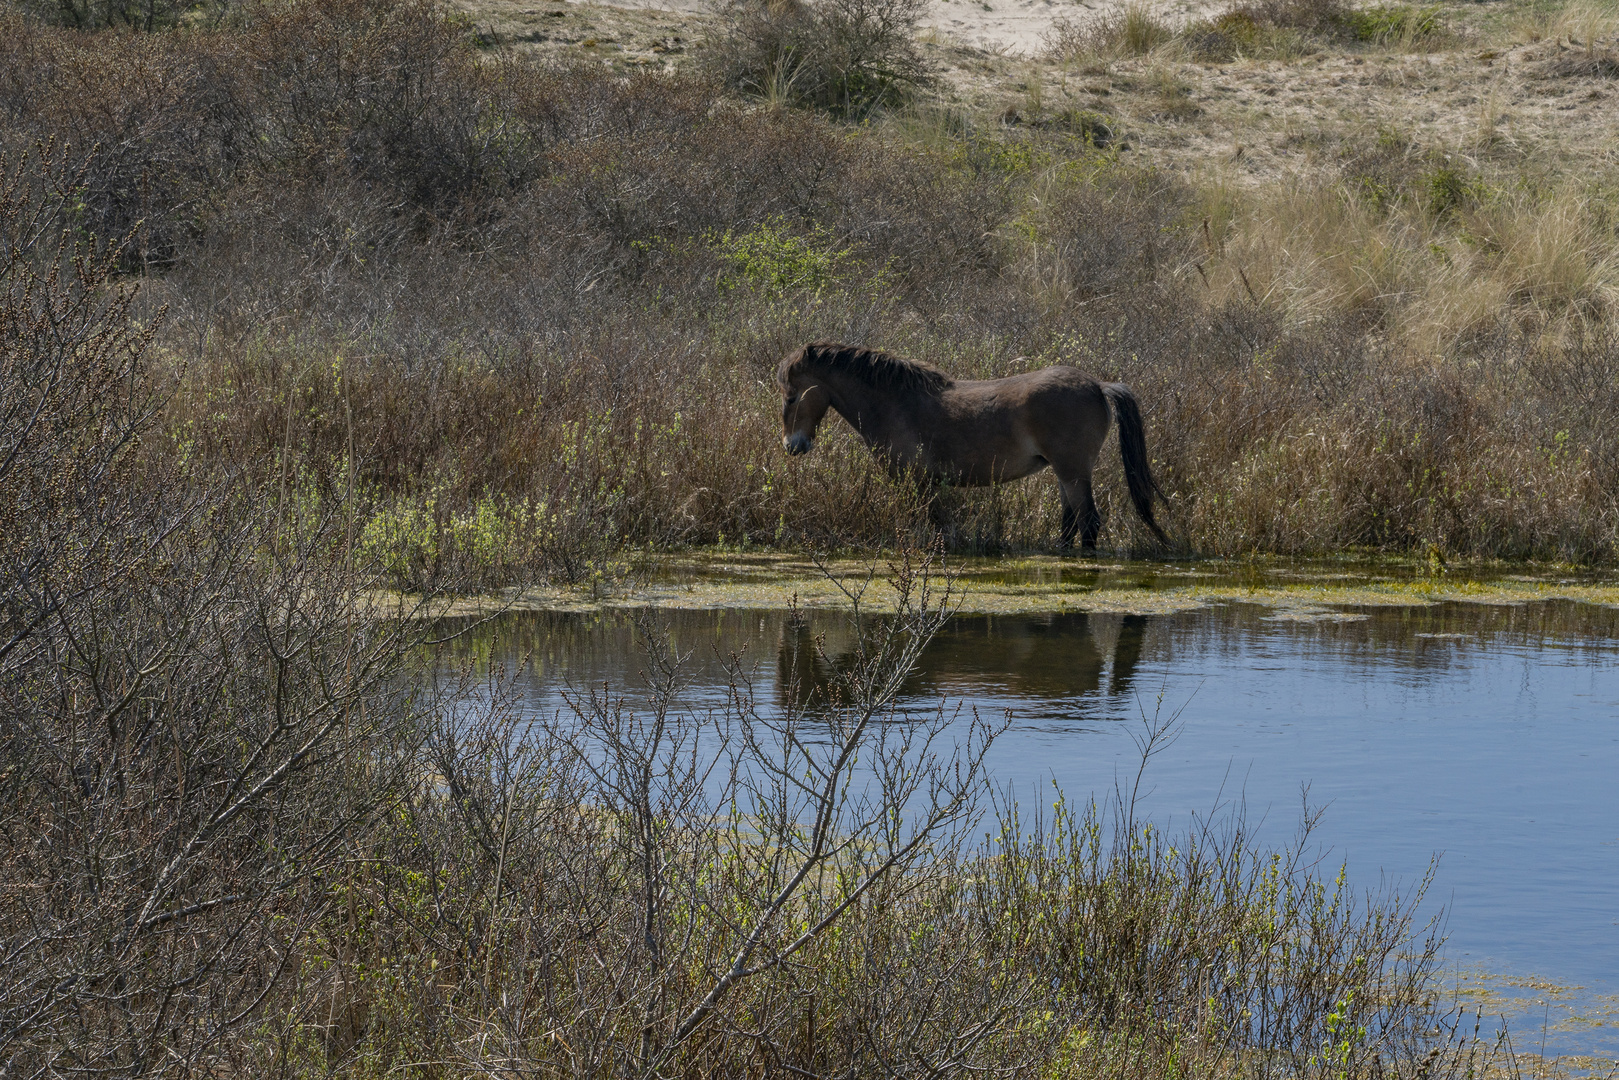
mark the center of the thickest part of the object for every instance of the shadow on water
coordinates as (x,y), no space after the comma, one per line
(1048,657)
(1056,658)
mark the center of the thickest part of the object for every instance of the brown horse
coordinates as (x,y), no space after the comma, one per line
(915,418)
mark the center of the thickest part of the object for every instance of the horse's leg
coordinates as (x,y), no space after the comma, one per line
(938,515)
(1079,512)
(928,491)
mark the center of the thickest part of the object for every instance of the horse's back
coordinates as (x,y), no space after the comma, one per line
(1005,428)
(1056,394)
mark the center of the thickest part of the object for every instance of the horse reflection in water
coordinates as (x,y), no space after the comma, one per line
(1036,657)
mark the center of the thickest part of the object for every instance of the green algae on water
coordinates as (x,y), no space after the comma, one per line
(1298,591)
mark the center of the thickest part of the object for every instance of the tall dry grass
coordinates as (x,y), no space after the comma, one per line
(1134,30)
(1429,246)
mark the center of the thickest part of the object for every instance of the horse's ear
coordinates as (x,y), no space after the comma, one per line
(788,362)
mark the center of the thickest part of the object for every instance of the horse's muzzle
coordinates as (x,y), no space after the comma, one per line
(797,444)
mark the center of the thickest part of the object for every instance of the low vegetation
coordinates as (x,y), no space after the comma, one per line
(1268,29)
(527,311)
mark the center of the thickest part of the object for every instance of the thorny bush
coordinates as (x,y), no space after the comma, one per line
(195,719)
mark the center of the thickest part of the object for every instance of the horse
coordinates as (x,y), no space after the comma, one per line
(918,420)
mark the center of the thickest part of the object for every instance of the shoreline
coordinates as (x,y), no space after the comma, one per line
(1297,591)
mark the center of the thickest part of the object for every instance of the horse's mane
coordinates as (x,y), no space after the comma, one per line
(870,366)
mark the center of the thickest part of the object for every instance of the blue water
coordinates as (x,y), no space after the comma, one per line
(1486,735)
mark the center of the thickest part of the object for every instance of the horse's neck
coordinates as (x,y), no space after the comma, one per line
(872,411)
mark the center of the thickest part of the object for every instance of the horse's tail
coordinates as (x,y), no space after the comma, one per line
(1133,450)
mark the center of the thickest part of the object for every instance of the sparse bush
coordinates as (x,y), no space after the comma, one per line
(848,57)
(196,723)
(1133,31)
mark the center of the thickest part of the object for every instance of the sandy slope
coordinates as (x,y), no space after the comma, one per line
(1490,91)
(1013,27)
(1008,27)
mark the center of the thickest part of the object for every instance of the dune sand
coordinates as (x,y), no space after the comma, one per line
(1013,27)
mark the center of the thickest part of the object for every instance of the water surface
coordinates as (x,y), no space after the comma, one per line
(1487,734)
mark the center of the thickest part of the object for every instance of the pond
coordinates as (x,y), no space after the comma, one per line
(1486,733)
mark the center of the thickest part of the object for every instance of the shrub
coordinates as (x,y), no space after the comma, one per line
(1399,23)
(143,15)
(1133,31)
(160,121)
(1101,228)
(772,258)
(194,724)
(1230,35)
(1093,128)
(1282,28)
(1324,17)
(1448,187)
(848,57)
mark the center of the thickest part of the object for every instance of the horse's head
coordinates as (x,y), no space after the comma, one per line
(804,402)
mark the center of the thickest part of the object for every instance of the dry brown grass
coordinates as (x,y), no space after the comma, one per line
(1431,247)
